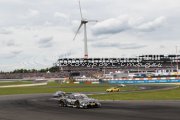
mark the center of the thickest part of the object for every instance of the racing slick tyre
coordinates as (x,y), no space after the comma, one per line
(61,104)
(77,104)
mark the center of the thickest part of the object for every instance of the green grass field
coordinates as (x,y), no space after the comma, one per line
(173,94)
(53,87)
(14,83)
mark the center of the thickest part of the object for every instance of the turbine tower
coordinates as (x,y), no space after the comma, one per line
(83,23)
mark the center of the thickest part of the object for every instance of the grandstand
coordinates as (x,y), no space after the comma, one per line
(144,62)
(96,67)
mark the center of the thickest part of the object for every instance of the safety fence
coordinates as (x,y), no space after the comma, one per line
(142,81)
(130,80)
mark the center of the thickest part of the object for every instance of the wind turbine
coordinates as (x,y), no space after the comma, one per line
(83,23)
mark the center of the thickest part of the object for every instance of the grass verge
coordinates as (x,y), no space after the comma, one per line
(173,94)
(14,83)
(53,87)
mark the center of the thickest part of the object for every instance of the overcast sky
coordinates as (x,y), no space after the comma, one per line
(35,33)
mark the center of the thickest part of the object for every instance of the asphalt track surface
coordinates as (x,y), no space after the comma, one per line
(41,107)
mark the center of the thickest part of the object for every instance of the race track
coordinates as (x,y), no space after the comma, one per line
(41,107)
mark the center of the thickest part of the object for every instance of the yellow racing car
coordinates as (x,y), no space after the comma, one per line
(113,89)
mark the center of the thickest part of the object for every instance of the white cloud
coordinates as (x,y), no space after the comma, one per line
(111,26)
(124,23)
(46,42)
(118,45)
(61,15)
(33,13)
(5,31)
(29,14)
(9,43)
(10,53)
(152,25)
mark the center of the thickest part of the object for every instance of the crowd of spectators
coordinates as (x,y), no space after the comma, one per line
(33,75)
(57,72)
(60,74)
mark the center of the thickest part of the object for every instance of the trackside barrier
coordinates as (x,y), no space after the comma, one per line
(142,81)
(158,78)
(23,85)
(87,82)
(76,82)
(91,80)
(95,82)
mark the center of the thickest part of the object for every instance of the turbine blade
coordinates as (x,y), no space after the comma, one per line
(78,31)
(80,9)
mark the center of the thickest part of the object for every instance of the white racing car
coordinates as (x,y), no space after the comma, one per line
(58,94)
(78,100)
